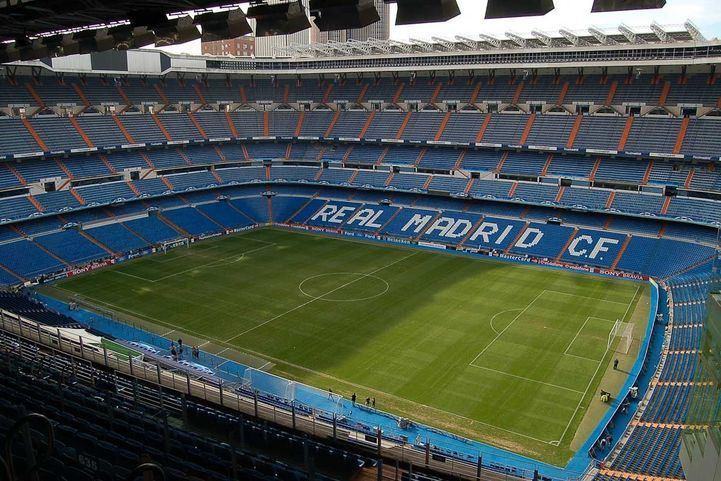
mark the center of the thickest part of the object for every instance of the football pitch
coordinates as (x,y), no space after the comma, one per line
(509,354)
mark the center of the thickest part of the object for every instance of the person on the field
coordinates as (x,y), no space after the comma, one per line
(615,364)
(353,398)
(373,402)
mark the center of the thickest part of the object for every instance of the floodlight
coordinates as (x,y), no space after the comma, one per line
(620,5)
(222,25)
(279,18)
(175,31)
(424,11)
(518,8)
(343,14)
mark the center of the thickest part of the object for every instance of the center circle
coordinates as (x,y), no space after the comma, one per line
(343,287)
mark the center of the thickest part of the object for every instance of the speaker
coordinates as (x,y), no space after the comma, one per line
(620,5)
(518,8)
(425,11)
(279,19)
(343,14)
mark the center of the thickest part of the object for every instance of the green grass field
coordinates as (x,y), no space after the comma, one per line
(509,354)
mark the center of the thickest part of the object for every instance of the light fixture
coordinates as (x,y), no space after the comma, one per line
(424,11)
(620,5)
(343,14)
(222,25)
(518,8)
(279,18)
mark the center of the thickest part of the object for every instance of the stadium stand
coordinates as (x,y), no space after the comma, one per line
(606,172)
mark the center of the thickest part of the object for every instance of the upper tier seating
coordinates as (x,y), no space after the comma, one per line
(647,135)
(542,89)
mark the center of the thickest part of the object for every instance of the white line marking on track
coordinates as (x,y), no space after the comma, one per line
(527,379)
(317,298)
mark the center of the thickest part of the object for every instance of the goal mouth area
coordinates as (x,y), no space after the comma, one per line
(621,337)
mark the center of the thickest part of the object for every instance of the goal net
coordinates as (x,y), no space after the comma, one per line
(621,336)
(268,384)
(291,392)
(168,245)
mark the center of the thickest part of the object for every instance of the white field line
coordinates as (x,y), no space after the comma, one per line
(623,319)
(591,298)
(216,261)
(165,258)
(506,328)
(498,314)
(582,357)
(317,298)
(565,352)
(360,387)
(528,379)
(578,406)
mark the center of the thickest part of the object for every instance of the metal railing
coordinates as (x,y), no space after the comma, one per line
(315,423)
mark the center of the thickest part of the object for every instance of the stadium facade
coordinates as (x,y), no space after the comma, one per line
(595,151)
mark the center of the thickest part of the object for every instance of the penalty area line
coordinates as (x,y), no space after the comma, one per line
(237,257)
(506,328)
(527,379)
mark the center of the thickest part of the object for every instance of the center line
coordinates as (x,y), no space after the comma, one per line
(316,298)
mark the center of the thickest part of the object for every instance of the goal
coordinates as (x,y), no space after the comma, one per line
(256,380)
(166,246)
(291,392)
(621,336)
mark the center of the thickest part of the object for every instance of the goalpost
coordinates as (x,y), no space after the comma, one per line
(168,245)
(622,336)
(255,379)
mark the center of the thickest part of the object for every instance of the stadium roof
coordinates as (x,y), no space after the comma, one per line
(623,35)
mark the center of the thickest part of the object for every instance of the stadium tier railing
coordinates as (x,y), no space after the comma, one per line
(314,422)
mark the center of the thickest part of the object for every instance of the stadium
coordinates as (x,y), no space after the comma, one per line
(478,259)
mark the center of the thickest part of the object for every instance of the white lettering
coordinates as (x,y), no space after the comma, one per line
(339,216)
(504,234)
(460,229)
(526,234)
(601,246)
(573,247)
(485,231)
(418,221)
(323,214)
(442,225)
